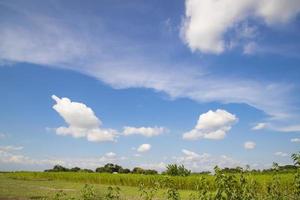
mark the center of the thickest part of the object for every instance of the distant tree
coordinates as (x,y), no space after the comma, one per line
(87,170)
(75,169)
(275,166)
(109,168)
(124,171)
(177,170)
(138,170)
(58,168)
(247,167)
(150,171)
(296,158)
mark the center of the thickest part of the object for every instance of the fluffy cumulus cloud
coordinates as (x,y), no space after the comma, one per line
(282,154)
(295,140)
(212,125)
(144,148)
(144,131)
(249,145)
(207,21)
(204,161)
(82,121)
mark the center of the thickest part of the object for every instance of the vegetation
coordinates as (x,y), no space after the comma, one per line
(177,170)
(278,183)
(108,168)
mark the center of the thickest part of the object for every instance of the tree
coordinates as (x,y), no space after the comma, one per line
(296,158)
(124,171)
(109,168)
(275,166)
(138,170)
(75,169)
(150,171)
(177,170)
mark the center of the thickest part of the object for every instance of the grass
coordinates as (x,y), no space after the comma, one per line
(14,187)
(35,185)
(184,183)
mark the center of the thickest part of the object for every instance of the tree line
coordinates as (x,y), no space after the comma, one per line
(179,170)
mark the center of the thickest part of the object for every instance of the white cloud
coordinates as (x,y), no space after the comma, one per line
(144,148)
(295,140)
(293,128)
(207,21)
(249,145)
(44,163)
(250,48)
(161,166)
(31,35)
(279,153)
(145,131)
(280,127)
(2,135)
(204,161)
(260,126)
(111,154)
(212,125)
(10,148)
(82,121)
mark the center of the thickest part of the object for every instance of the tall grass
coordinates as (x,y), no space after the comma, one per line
(185,183)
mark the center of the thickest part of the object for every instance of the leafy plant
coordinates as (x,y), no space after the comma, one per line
(113,193)
(88,192)
(60,195)
(148,193)
(296,158)
(297,185)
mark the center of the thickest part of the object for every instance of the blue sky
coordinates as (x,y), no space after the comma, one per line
(147,83)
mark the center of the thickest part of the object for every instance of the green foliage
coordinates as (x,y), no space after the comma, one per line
(88,192)
(109,168)
(148,192)
(274,190)
(296,158)
(172,190)
(139,170)
(177,170)
(61,195)
(113,193)
(203,191)
(297,185)
(234,186)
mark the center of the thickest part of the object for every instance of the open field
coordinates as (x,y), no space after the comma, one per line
(37,185)
(33,187)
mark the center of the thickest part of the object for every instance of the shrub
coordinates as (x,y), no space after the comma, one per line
(88,192)
(113,193)
(148,192)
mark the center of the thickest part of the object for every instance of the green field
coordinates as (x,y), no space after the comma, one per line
(38,185)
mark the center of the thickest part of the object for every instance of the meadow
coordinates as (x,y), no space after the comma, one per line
(88,186)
